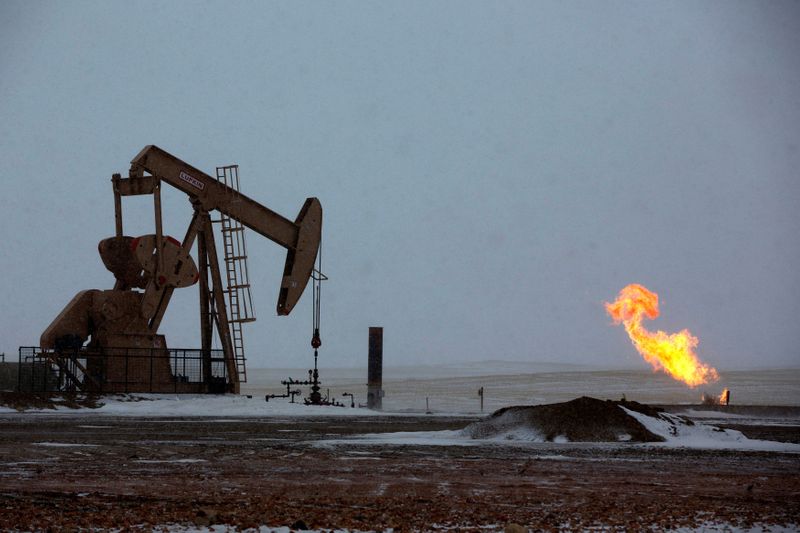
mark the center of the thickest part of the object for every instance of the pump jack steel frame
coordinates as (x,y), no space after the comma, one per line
(159,264)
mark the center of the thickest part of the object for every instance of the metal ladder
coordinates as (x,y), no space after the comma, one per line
(240,302)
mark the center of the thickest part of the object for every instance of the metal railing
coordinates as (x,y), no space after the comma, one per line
(121,370)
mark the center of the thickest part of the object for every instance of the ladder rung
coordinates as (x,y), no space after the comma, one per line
(235,257)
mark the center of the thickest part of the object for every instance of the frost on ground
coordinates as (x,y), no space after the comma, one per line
(169,405)
(581,420)
(261,474)
(176,405)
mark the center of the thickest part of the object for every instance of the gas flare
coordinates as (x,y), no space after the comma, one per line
(671,353)
(722,399)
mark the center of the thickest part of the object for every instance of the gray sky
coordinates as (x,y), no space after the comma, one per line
(491,173)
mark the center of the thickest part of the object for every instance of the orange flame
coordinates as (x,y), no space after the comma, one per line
(722,399)
(672,353)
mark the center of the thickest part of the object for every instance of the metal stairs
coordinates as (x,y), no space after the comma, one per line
(73,376)
(239,300)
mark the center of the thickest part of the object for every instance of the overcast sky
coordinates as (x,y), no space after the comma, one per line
(490,173)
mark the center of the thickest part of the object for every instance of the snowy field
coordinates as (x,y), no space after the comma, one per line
(232,463)
(238,463)
(454,389)
(702,432)
(221,407)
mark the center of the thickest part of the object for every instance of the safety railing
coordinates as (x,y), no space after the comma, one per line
(122,370)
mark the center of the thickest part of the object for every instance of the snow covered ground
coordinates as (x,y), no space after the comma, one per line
(678,432)
(454,388)
(225,408)
(222,408)
(199,405)
(197,457)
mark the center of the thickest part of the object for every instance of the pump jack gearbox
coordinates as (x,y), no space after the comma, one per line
(125,352)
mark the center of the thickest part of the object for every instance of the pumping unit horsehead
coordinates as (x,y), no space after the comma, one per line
(122,323)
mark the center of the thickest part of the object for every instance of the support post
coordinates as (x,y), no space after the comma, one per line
(159,233)
(223,328)
(375,369)
(117,203)
(206,321)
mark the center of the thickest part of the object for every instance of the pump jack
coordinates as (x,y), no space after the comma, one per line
(123,321)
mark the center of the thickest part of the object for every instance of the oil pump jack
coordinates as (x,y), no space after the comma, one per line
(125,352)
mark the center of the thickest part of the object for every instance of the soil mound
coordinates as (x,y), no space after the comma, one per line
(581,420)
(24,401)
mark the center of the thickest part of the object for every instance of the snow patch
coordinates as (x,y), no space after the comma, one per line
(678,433)
(404,438)
(692,413)
(224,408)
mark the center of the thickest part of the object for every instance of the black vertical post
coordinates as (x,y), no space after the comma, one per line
(206,320)
(375,369)
(151,369)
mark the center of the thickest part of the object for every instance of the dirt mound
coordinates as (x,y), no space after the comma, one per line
(23,401)
(581,420)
